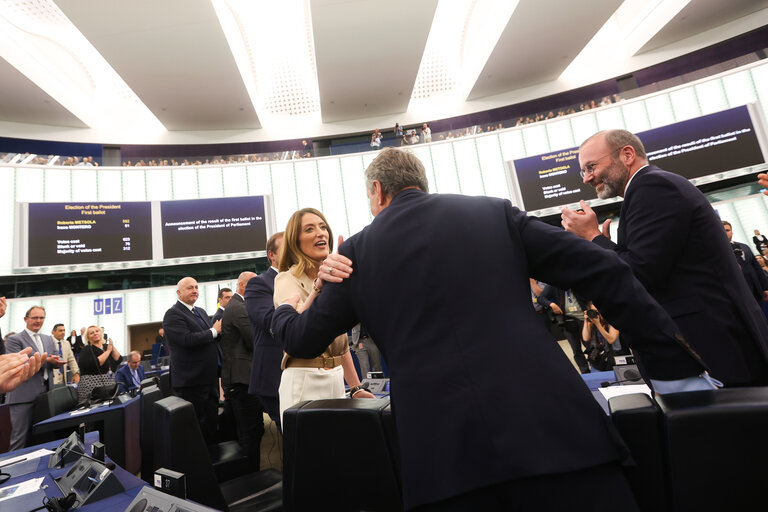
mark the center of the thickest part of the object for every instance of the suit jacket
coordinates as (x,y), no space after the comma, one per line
(267,352)
(217,315)
(466,416)
(68,356)
(675,243)
(124,377)
(194,353)
(29,390)
(236,343)
(76,345)
(760,243)
(756,280)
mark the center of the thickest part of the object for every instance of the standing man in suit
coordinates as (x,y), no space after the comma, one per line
(236,355)
(267,353)
(194,356)
(22,398)
(471,435)
(225,294)
(675,244)
(64,350)
(756,280)
(130,375)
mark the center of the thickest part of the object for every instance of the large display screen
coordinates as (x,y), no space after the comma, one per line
(72,233)
(139,233)
(213,226)
(698,147)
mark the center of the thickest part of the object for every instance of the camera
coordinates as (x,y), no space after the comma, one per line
(591,313)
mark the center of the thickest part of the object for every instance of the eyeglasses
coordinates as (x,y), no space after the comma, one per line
(589,168)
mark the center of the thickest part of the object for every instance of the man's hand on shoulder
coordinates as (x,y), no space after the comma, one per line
(335,267)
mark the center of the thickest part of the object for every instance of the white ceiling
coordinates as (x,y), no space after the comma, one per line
(175,57)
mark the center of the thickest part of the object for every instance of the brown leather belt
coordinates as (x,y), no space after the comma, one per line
(317,362)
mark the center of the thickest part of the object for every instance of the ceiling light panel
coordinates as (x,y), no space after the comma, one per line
(38,39)
(633,24)
(273,47)
(462,37)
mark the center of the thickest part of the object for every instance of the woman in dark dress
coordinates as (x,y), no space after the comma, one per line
(106,354)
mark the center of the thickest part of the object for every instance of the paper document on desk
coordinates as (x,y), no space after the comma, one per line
(20,489)
(613,391)
(27,456)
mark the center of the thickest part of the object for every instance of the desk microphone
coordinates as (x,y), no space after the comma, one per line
(608,383)
(109,465)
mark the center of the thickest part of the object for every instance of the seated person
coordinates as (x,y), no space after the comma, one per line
(130,375)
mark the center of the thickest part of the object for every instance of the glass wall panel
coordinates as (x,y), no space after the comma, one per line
(235,181)
(470,177)
(333,191)
(660,110)
(134,185)
(685,103)
(185,183)
(446,174)
(58,186)
(110,185)
(210,182)
(711,96)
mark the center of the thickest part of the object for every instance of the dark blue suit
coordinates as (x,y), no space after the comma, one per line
(756,280)
(480,392)
(194,363)
(267,353)
(675,243)
(124,377)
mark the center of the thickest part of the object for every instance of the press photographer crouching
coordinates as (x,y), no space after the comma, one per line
(601,340)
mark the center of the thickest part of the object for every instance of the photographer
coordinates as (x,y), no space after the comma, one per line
(565,310)
(600,338)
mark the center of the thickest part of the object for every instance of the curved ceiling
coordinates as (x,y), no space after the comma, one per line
(180,77)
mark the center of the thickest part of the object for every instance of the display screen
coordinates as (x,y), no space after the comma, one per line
(706,145)
(74,233)
(213,226)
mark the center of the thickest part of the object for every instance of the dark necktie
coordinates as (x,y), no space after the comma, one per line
(200,318)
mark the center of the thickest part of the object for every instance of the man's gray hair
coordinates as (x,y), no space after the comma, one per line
(396,169)
(619,138)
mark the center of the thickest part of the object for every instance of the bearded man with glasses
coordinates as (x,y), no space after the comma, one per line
(674,242)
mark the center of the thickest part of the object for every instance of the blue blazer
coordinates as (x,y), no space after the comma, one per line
(675,243)
(480,392)
(124,377)
(194,353)
(267,353)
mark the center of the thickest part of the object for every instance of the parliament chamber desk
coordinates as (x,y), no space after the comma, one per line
(27,502)
(118,425)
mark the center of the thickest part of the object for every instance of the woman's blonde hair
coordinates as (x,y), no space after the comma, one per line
(290,253)
(101,333)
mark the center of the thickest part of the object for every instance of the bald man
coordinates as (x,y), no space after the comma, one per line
(194,355)
(237,352)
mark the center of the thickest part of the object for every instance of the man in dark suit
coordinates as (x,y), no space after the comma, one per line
(225,294)
(675,244)
(756,280)
(473,434)
(23,397)
(236,354)
(267,353)
(131,374)
(194,356)
(3,307)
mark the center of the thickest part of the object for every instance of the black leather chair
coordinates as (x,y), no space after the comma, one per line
(716,449)
(638,419)
(149,395)
(56,401)
(317,440)
(179,446)
(165,384)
